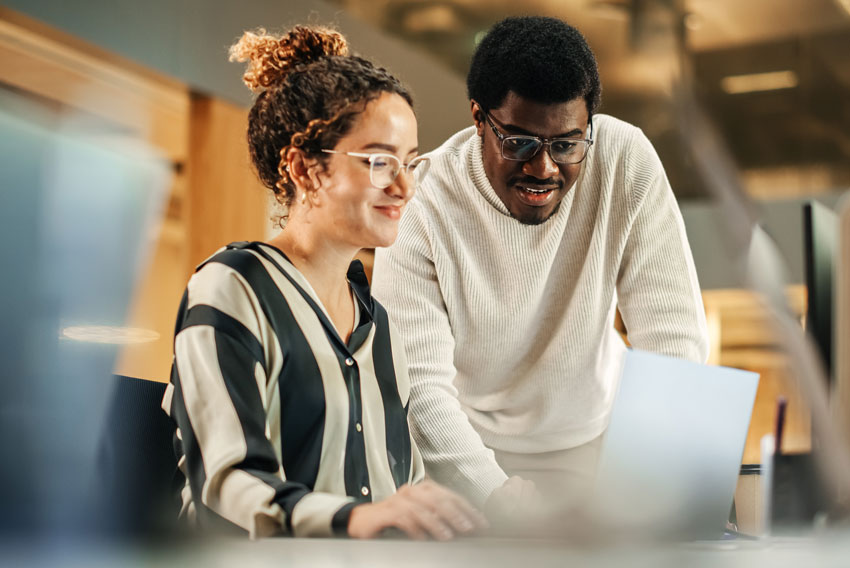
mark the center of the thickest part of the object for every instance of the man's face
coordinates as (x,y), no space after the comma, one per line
(533,189)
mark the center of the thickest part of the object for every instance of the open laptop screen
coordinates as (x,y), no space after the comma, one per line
(673,449)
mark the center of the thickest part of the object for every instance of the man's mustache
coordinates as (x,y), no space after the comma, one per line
(526,180)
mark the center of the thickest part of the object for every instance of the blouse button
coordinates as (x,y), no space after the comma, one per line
(364,490)
(349,362)
(358,427)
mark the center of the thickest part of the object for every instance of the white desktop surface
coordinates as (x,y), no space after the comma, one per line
(829,551)
(497,553)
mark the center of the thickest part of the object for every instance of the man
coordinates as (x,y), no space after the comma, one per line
(532,226)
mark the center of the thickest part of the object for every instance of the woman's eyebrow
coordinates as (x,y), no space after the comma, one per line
(380,146)
(387,147)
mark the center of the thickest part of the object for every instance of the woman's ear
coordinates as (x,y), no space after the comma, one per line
(305,173)
(304,170)
(298,166)
(314,171)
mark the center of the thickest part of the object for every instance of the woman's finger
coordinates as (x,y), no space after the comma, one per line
(431,523)
(409,526)
(453,508)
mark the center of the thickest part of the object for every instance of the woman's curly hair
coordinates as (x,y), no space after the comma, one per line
(310,90)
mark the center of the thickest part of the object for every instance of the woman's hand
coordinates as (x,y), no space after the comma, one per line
(419,511)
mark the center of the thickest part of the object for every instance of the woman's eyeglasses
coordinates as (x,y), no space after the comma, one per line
(384,168)
(523,148)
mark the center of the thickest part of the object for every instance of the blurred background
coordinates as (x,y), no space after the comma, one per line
(773,76)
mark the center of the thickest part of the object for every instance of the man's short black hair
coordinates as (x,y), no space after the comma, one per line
(541,59)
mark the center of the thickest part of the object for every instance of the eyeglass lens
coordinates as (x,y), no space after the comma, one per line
(384,168)
(522,148)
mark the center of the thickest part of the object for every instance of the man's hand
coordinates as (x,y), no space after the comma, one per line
(516,500)
(419,511)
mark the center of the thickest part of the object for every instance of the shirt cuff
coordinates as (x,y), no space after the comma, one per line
(315,514)
(339,522)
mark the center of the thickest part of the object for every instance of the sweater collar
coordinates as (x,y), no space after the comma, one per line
(475,163)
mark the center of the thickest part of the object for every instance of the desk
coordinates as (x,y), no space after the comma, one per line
(496,553)
(829,551)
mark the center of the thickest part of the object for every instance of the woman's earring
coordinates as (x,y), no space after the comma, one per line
(303,198)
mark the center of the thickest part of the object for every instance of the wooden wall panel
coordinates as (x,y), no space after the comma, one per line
(222,202)
(225,200)
(50,64)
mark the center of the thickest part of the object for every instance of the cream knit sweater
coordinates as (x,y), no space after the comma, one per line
(508,328)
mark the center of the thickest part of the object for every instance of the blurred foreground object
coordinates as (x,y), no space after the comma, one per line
(754,255)
(77,205)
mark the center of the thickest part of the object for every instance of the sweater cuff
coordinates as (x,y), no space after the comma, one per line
(315,514)
(478,487)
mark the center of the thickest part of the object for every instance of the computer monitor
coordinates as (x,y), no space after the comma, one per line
(820,234)
(798,491)
(841,391)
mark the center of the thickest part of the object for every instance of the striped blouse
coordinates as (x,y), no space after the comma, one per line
(282,427)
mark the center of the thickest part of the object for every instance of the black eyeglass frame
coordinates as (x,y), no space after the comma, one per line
(588,142)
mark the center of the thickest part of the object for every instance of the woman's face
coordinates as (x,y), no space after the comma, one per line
(347,204)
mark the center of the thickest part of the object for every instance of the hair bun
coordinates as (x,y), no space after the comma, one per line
(272,58)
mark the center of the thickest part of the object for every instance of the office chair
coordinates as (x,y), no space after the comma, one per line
(138,481)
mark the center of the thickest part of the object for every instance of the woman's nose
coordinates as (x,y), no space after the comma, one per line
(402,186)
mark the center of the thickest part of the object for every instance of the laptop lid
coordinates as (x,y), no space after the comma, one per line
(672,452)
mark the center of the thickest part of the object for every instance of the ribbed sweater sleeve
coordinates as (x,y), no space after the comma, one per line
(453,450)
(657,287)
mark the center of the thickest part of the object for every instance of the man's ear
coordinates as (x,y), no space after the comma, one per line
(477,117)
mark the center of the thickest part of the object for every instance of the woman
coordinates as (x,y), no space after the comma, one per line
(289,388)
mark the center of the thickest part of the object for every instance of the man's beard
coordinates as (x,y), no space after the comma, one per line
(537,220)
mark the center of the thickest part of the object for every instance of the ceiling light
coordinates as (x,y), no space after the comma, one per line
(693,21)
(440,18)
(109,334)
(753,82)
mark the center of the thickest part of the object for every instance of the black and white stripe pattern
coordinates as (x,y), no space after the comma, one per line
(281,426)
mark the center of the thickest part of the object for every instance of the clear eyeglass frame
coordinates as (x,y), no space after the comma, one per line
(385,168)
(533,144)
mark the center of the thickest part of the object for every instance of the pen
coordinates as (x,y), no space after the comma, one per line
(781,404)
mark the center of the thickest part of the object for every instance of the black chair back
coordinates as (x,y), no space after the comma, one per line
(139,482)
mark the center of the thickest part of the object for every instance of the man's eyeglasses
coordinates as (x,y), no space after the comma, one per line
(522,148)
(384,168)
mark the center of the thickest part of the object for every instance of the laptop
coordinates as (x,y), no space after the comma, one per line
(671,456)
